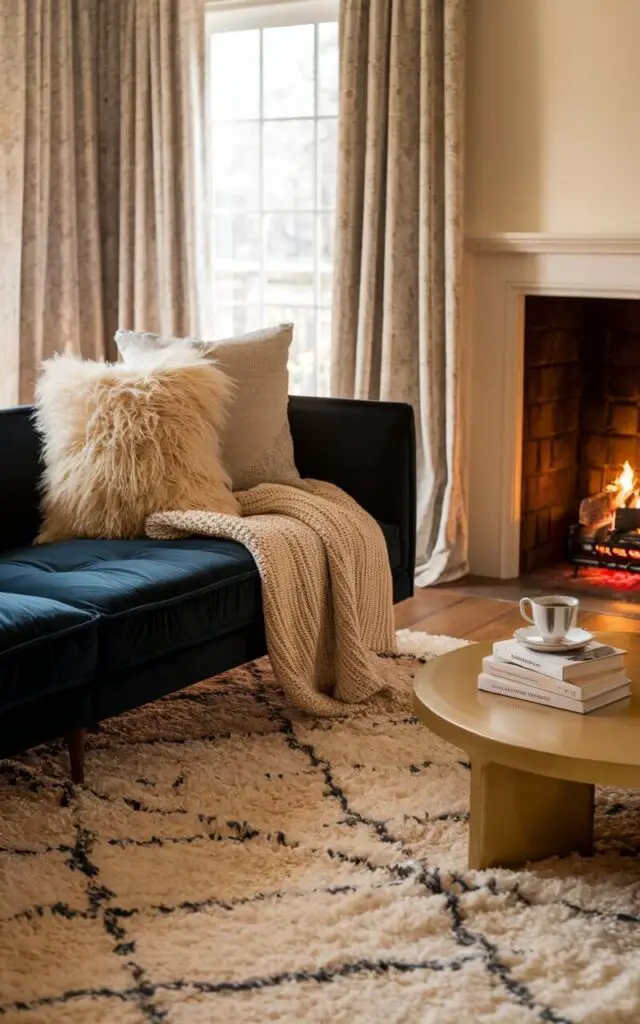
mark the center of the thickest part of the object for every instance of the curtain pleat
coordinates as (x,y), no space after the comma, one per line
(100,195)
(398,267)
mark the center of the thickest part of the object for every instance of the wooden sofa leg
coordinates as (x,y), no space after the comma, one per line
(75,743)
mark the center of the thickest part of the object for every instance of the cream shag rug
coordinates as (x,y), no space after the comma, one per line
(232,860)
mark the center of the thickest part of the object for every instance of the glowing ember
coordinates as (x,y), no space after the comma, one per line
(626,488)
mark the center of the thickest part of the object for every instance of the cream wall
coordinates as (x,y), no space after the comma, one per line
(553,116)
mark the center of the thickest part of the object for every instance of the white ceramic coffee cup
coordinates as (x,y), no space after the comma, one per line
(552,616)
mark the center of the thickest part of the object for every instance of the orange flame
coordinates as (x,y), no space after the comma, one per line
(629,553)
(626,488)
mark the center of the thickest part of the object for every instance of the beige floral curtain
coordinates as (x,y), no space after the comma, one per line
(101,171)
(397,283)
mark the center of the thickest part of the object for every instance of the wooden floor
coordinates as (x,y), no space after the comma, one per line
(462,610)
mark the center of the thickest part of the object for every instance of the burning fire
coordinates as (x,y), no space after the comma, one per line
(625,488)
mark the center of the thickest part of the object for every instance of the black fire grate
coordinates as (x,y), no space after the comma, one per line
(610,546)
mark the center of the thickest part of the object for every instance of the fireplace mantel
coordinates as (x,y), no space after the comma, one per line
(523,242)
(500,270)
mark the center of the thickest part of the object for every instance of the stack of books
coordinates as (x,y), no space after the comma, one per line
(581,680)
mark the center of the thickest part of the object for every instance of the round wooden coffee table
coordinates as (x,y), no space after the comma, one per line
(533,768)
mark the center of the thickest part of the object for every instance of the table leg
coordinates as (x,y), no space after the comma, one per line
(517,816)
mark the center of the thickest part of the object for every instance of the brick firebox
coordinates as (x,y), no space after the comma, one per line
(581,412)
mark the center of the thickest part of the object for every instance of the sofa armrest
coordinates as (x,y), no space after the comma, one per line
(368,449)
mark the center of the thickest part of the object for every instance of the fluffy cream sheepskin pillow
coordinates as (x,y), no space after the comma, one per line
(120,443)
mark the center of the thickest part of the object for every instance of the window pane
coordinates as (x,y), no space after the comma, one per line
(302,356)
(325,247)
(236,166)
(328,163)
(328,68)
(237,287)
(232,320)
(235,95)
(288,55)
(289,259)
(288,165)
(273,236)
(237,238)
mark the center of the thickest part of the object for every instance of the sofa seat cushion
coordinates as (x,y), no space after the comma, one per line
(45,647)
(152,597)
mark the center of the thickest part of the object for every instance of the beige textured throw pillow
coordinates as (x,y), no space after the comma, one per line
(256,440)
(121,442)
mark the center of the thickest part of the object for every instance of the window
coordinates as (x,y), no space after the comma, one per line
(273,98)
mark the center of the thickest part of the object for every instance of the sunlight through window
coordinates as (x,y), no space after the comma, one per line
(273,92)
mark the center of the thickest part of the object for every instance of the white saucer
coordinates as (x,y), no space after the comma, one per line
(573,641)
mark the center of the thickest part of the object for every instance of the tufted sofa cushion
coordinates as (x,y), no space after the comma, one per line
(151,597)
(45,647)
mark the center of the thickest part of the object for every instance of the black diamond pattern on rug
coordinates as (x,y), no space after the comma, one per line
(232,860)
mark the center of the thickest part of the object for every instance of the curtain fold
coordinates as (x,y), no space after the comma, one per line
(100,176)
(398,267)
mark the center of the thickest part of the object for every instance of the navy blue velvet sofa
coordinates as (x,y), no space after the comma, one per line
(91,628)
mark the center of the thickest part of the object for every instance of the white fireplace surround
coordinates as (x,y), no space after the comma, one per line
(501,269)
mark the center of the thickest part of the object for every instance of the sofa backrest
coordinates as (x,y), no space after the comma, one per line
(20,470)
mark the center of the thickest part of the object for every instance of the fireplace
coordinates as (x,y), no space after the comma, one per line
(504,273)
(581,433)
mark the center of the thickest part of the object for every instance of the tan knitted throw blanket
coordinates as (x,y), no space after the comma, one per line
(326,587)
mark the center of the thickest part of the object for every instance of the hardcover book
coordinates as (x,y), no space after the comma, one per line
(523,691)
(590,660)
(583,689)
